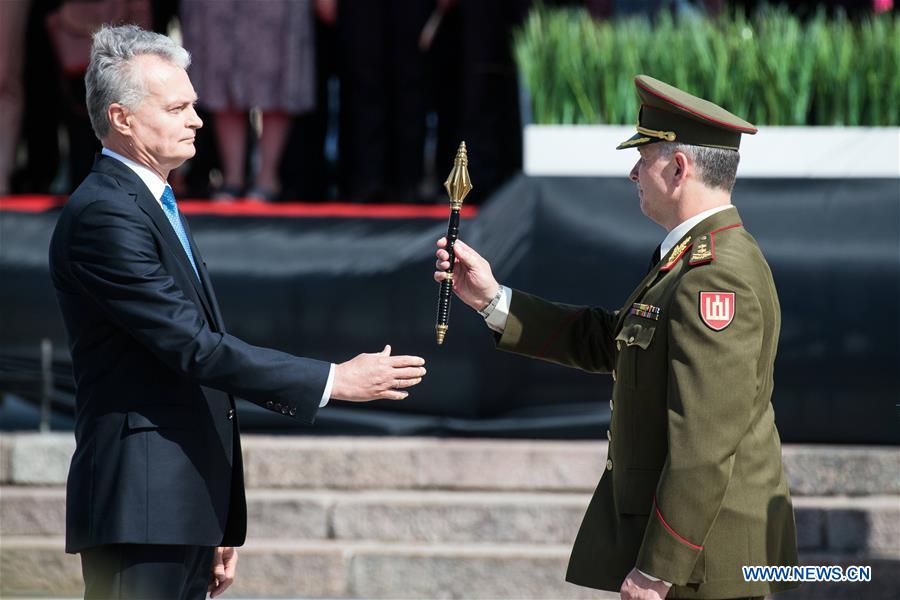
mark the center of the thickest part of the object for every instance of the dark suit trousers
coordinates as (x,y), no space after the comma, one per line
(146,572)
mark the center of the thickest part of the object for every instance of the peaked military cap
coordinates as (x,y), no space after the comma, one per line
(672,115)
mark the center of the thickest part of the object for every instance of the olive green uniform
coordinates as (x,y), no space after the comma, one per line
(694,487)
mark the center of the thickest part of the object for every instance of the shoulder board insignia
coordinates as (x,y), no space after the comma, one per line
(705,246)
(702,251)
(676,253)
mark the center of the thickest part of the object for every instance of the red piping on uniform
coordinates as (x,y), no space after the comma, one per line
(557,331)
(724,228)
(693,112)
(712,237)
(712,245)
(672,531)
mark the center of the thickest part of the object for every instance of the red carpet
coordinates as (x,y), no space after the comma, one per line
(249,208)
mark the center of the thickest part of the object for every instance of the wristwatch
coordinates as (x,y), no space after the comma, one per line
(487,310)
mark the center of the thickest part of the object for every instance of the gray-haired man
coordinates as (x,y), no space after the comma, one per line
(155,495)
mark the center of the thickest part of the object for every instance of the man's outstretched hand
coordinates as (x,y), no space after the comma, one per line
(377,377)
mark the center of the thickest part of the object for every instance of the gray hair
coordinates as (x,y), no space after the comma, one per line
(111,77)
(716,167)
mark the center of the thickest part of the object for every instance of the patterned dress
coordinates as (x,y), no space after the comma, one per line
(251,53)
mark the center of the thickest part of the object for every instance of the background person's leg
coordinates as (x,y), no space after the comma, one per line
(231,130)
(13,18)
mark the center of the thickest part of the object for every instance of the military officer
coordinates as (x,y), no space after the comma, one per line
(694,486)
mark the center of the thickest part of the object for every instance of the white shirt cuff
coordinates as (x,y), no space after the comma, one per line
(326,395)
(496,319)
(652,578)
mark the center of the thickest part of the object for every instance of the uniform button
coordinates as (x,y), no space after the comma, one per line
(614,374)
(293,411)
(611,404)
(609,464)
(284,410)
(608,435)
(278,406)
(230,413)
(269,404)
(631,340)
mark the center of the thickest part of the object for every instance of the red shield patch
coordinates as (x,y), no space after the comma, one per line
(717,309)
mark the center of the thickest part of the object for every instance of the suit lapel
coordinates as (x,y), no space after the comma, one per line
(151,207)
(204,277)
(133,185)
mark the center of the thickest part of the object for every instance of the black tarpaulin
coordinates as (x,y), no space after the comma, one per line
(330,287)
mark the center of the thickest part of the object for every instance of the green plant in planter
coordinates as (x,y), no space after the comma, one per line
(772,68)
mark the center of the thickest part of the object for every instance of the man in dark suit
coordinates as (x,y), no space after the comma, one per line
(155,495)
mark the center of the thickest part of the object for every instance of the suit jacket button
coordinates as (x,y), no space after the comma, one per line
(609,464)
(230,413)
(293,411)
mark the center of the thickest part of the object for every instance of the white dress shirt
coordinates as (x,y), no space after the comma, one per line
(157,186)
(155,183)
(496,317)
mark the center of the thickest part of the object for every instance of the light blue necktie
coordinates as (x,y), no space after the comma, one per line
(170,207)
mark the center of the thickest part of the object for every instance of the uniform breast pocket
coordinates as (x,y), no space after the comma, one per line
(633,340)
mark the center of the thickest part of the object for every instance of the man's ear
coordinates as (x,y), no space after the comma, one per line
(682,167)
(119,118)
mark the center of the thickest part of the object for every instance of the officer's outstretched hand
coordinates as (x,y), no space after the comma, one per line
(473,281)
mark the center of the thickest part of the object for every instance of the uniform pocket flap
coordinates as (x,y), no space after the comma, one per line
(636,334)
(159,416)
(639,490)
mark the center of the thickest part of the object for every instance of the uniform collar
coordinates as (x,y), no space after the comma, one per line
(676,234)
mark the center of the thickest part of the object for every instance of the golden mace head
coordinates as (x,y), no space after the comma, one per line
(458,183)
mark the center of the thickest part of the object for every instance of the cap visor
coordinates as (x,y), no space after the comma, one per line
(636,140)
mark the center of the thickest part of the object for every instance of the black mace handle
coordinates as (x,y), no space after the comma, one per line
(443,311)
(457,185)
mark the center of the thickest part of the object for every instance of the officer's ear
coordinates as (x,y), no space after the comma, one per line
(682,167)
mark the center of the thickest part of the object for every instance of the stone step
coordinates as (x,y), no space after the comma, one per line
(457,464)
(830,524)
(329,569)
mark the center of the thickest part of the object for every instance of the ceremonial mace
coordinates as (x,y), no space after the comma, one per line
(458,185)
